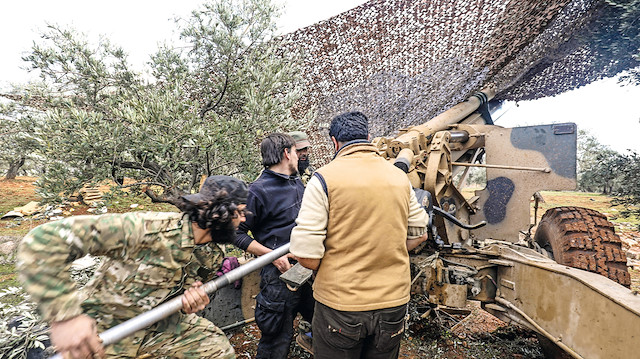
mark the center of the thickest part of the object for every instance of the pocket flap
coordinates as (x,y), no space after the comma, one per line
(347,329)
(392,328)
(270,305)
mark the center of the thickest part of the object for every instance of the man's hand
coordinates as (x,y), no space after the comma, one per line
(282,263)
(77,338)
(194,299)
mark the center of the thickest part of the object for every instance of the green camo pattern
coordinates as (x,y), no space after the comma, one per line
(150,257)
(306,175)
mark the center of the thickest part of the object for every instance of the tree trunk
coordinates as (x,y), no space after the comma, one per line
(171,196)
(14,166)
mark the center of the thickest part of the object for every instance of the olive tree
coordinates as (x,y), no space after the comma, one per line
(628,193)
(202,112)
(19,144)
(598,165)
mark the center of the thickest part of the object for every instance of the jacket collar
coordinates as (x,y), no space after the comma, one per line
(356,146)
(280,175)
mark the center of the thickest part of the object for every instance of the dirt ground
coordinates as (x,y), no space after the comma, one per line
(22,190)
(475,334)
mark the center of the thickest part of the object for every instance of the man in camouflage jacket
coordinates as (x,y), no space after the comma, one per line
(150,258)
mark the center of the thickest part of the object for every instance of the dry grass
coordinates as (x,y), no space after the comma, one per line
(22,190)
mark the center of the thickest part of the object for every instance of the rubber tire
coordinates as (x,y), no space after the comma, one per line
(583,238)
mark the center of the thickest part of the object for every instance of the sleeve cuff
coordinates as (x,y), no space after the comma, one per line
(242,241)
(63,308)
(416,232)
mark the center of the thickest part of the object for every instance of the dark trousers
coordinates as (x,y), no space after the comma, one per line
(276,308)
(373,334)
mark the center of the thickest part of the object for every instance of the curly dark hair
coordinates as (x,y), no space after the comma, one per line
(215,213)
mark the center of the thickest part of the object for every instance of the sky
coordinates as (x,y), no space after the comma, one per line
(605,109)
(610,112)
(136,25)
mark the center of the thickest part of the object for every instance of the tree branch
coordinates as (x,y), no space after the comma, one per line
(144,183)
(209,105)
(194,170)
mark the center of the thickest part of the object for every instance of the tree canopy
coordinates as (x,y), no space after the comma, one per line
(201,110)
(597,165)
(17,136)
(628,193)
(602,169)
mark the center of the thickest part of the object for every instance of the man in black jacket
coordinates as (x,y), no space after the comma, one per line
(273,205)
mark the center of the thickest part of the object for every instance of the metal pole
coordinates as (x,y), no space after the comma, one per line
(123,330)
(237,324)
(504,167)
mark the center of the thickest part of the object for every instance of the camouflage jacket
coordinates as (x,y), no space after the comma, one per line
(306,175)
(150,257)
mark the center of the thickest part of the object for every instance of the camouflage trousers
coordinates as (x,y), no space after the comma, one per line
(179,336)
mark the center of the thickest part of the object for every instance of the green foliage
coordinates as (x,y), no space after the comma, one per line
(628,194)
(14,304)
(606,171)
(203,112)
(8,274)
(475,177)
(478,176)
(82,76)
(30,333)
(241,82)
(18,138)
(598,166)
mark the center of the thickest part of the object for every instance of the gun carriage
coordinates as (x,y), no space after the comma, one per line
(568,282)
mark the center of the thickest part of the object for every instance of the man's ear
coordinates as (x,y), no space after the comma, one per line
(287,153)
(336,147)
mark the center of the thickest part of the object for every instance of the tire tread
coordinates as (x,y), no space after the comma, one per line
(583,238)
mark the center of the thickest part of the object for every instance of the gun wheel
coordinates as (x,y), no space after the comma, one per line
(583,238)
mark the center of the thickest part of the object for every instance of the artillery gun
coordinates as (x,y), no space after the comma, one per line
(568,282)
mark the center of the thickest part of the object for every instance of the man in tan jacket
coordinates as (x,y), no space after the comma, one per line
(359,217)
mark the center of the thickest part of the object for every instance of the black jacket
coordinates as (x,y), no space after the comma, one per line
(274,202)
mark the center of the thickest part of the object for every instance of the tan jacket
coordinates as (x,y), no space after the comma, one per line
(359,229)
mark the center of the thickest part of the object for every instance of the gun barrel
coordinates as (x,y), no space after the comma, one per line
(459,136)
(123,330)
(450,117)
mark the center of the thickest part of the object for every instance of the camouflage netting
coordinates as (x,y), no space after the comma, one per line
(402,62)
